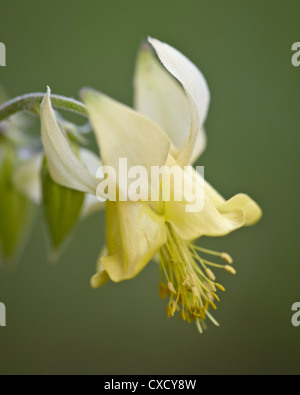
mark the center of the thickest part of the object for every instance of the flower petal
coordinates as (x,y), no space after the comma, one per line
(200,145)
(134,235)
(160,97)
(217,218)
(124,133)
(64,166)
(196,90)
(27,178)
(252,211)
(91,205)
(208,222)
(92,162)
(101,276)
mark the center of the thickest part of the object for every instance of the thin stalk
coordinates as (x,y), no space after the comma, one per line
(32,102)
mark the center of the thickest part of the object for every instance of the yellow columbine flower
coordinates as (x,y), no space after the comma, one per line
(172,100)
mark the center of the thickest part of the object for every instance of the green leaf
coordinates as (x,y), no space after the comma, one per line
(62,208)
(15,209)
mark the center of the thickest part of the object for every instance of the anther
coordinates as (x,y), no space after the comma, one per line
(171,288)
(221,288)
(226,257)
(163,291)
(216,296)
(230,269)
(210,274)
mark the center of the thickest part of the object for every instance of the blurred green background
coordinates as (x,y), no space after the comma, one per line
(56,324)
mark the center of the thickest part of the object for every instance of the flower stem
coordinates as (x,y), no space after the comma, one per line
(32,102)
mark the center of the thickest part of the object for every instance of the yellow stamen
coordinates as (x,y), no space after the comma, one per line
(187,279)
(226,257)
(169,311)
(216,297)
(171,288)
(230,269)
(163,291)
(210,274)
(221,288)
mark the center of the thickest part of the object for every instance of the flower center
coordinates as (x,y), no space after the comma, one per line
(187,278)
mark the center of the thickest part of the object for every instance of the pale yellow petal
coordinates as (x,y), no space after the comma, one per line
(210,221)
(134,235)
(101,276)
(200,145)
(159,96)
(92,162)
(196,90)
(214,196)
(218,217)
(124,133)
(251,209)
(27,178)
(99,279)
(65,168)
(91,205)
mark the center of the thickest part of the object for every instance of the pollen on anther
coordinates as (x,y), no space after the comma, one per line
(216,296)
(230,269)
(221,288)
(226,257)
(171,288)
(210,274)
(163,291)
(196,292)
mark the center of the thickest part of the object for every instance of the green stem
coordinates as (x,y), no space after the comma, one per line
(32,102)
